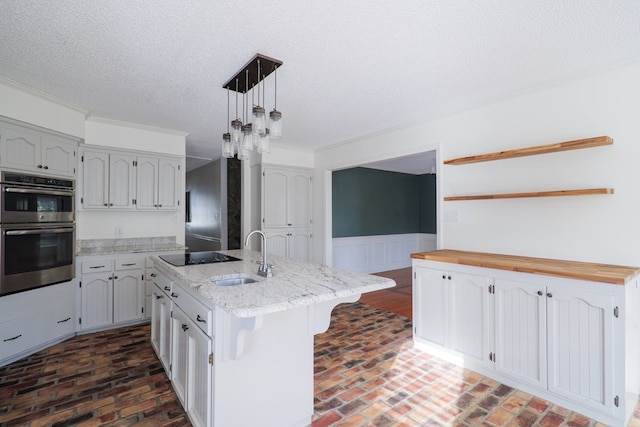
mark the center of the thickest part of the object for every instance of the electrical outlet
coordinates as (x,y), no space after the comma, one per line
(119,231)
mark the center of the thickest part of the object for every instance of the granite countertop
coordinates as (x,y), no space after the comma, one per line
(293,284)
(127,245)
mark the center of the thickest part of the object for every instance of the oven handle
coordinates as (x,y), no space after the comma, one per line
(39,191)
(38,231)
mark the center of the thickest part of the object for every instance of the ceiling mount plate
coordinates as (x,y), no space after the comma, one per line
(267,66)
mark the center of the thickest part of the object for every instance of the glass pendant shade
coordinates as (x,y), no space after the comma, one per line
(247,138)
(276,124)
(259,122)
(263,144)
(236,132)
(228,150)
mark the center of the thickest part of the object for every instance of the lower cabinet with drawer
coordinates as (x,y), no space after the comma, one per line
(35,319)
(112,292)
(182,332)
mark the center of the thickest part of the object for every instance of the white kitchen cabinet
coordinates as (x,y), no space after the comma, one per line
(561,338)
(580,346)
(286,197)
(179,343)
(28,148)
(112,292)
(159,182)
(108,180)
(451,311)
(161,318)
(520,331)
(431,306)
(286,211)
(35,319)
(290,243)
(97,300)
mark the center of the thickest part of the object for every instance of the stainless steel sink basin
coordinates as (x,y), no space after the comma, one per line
(235,281)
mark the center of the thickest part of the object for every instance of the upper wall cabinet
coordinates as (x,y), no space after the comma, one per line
(158,183)
(121,180)
(108,180)
(27,148)
(286,197)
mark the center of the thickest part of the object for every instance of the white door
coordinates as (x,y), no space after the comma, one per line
(58,157)
(274,198)
(299,242)
(469,316)
(147,189)
(127,295)
(122,179)
(520,331)
(277,244)
(199,380)
(156,296)
(97,300)
(431,309)
(21,149)
(95,180)
(580,343)
(299,200)
(169,188)
(179,343)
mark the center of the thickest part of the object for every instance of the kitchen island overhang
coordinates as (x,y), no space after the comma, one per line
(262,353)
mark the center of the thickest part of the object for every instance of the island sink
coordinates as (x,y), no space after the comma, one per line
(235,281)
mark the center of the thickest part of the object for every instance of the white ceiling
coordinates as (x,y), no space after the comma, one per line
(351,68)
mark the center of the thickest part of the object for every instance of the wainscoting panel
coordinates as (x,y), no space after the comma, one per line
(372,254)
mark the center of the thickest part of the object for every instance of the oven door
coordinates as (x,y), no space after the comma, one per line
(33,204)
(34,255)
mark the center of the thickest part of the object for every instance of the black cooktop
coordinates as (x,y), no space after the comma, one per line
(191,258)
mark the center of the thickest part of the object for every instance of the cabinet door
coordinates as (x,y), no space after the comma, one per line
(277,243)
(179,345)
(161,326)
(275,190)
(169,180)
(59,157)
(97,300)
(127,295)
(580,342)
(95,180)
(122,178)
(520,331)
(431,306)
(299,243)
(147,188)
(469,316)
(299,200)
(21,148)
(199,380)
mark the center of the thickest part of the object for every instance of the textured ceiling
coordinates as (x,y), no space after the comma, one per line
(351,68)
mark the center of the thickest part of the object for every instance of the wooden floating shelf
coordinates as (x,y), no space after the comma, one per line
(532,151)
(555,193)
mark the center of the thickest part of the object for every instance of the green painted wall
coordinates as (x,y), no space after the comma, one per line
(369,202)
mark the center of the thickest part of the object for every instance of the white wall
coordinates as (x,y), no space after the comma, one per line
(601,228)
(28,105)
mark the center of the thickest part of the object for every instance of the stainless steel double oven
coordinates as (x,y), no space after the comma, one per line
(37,226)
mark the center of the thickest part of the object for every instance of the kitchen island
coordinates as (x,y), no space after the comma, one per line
(242,355)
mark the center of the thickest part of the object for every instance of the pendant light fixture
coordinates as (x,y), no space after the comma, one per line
(228,149)
(275,116)
(257,134)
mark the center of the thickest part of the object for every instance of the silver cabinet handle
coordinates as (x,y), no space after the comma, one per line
(200,319)
(65,320)
(97,266)
(14,338)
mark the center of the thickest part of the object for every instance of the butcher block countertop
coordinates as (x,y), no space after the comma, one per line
(604,273)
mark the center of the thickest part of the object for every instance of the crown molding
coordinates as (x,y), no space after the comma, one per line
(105,121)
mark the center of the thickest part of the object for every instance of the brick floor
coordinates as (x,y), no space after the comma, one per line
(366,374)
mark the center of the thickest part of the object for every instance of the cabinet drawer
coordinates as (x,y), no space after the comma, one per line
(130,264)
(161,281)
(21,334)
(196,311)
(97,266)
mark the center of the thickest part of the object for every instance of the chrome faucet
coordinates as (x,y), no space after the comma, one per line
(264,269)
